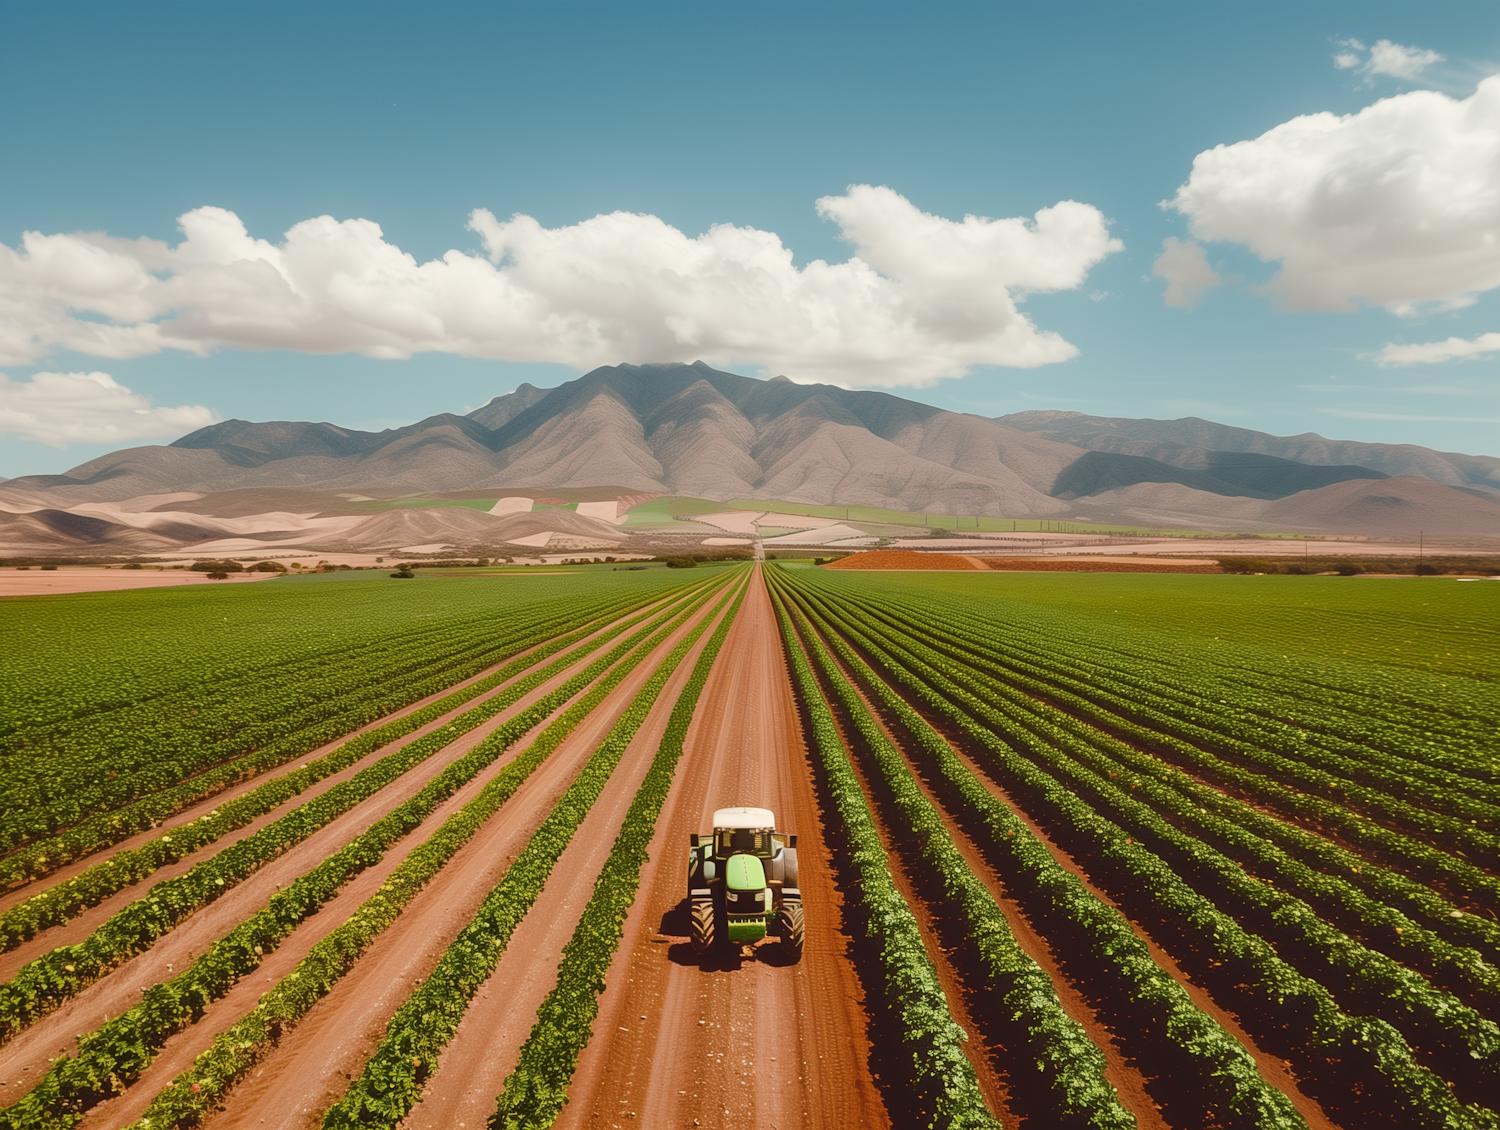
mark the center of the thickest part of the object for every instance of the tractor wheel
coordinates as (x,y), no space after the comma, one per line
(789,917)
(702,928)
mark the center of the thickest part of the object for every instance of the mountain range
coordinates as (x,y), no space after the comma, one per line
(693,431)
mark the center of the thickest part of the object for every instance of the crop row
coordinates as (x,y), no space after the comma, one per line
(1069,1072)
(1029,759)
(111,1058)
(61,902)
(1201,1057)
(109,827)
(1430,803)
(86,770)
(392,1079)
(939,1076)
(46,982)
(1400,853)
(535,1091)
(1444,721)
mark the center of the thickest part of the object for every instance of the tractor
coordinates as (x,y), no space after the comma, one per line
(742,878)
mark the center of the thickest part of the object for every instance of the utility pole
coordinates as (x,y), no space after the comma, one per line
(1420,534)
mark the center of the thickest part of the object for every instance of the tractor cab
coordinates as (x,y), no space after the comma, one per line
(742,880)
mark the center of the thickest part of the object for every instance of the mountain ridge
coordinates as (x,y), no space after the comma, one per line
(691,430)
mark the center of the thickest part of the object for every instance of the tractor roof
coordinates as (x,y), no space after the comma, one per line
(744,818)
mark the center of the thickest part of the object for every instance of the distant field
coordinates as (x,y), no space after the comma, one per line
(875,515)
(1434,624)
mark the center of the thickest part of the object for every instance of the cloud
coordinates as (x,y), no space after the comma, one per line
(1396,205)
(1185,267)
(1386,58)
(921,298)
(1435,352)
(63,408)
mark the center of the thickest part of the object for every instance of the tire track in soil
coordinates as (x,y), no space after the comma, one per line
(25,1059)
(474,1066)
(15,896)
(310,1068)
(732,1041)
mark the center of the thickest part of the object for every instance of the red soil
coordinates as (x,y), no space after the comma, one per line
(903,559)
(311,1065)
(737,1041)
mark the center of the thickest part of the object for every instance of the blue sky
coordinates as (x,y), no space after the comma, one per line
(122,118)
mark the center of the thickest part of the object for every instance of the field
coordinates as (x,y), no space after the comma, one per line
(1077,850)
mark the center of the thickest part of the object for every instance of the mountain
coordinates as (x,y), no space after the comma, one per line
(690,430)
(1202,444)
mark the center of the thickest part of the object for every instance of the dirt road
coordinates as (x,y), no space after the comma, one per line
(732,1042)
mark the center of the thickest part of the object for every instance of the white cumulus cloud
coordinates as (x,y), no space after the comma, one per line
(1184,265)
(1386,58)
(921,298)
(63,408)
(1396,205)
(1434,352)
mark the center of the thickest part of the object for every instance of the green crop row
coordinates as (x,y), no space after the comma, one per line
(114,1056)
(141,768)
(57,904)
(1069,1066)
(1401,853)
(1389,713)
(1174,795)
(63,774)
(1426,804)
(1200,1056)
(1276,996)
(535,1091)
(1466,1044)
(46,982)
(392,1080)
(941,1078)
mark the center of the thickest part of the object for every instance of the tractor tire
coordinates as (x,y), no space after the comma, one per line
(789,918)
(701,931)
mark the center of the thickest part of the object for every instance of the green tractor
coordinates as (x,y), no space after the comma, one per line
(742,879)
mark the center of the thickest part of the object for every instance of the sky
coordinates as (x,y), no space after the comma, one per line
(1283,216)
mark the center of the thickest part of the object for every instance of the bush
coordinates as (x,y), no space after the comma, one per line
(260,567)
(404,573)
(1425,570)
(681,562)
(1348,570)
(49,568)
(218,575)
(1248,565)
(225,566)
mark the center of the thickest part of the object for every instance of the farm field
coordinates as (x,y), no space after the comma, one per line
(1076,850)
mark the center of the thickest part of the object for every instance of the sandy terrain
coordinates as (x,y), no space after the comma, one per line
(92,578)
(734,1042)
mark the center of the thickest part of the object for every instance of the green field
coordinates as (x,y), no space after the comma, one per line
(1433,624)
(1272,798)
